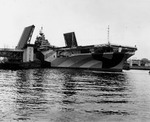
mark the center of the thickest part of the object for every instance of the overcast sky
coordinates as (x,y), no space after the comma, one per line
(129,21)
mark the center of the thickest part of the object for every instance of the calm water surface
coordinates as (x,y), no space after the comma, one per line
(63,95)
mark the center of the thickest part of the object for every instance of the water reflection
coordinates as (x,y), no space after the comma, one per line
(65,95)
(97,89)
(68,91)
(69,85)
(30,98)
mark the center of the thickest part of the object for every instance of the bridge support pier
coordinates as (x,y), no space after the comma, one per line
(28,54)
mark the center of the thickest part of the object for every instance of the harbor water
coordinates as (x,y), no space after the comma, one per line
(65,95)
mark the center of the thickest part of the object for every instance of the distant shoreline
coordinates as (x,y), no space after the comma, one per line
(140,67)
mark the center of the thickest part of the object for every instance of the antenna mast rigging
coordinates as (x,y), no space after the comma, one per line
(108,35)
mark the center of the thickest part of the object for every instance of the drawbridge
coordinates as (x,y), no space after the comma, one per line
(17,53)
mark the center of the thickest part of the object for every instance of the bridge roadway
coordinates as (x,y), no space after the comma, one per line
(11,53)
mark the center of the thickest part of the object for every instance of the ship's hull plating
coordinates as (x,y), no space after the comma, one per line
(104,61)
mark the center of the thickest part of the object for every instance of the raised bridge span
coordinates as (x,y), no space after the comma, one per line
(17,53)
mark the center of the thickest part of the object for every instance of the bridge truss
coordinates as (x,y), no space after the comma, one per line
(11,54)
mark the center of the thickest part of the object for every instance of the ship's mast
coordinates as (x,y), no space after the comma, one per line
(108,35)
(41,30)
